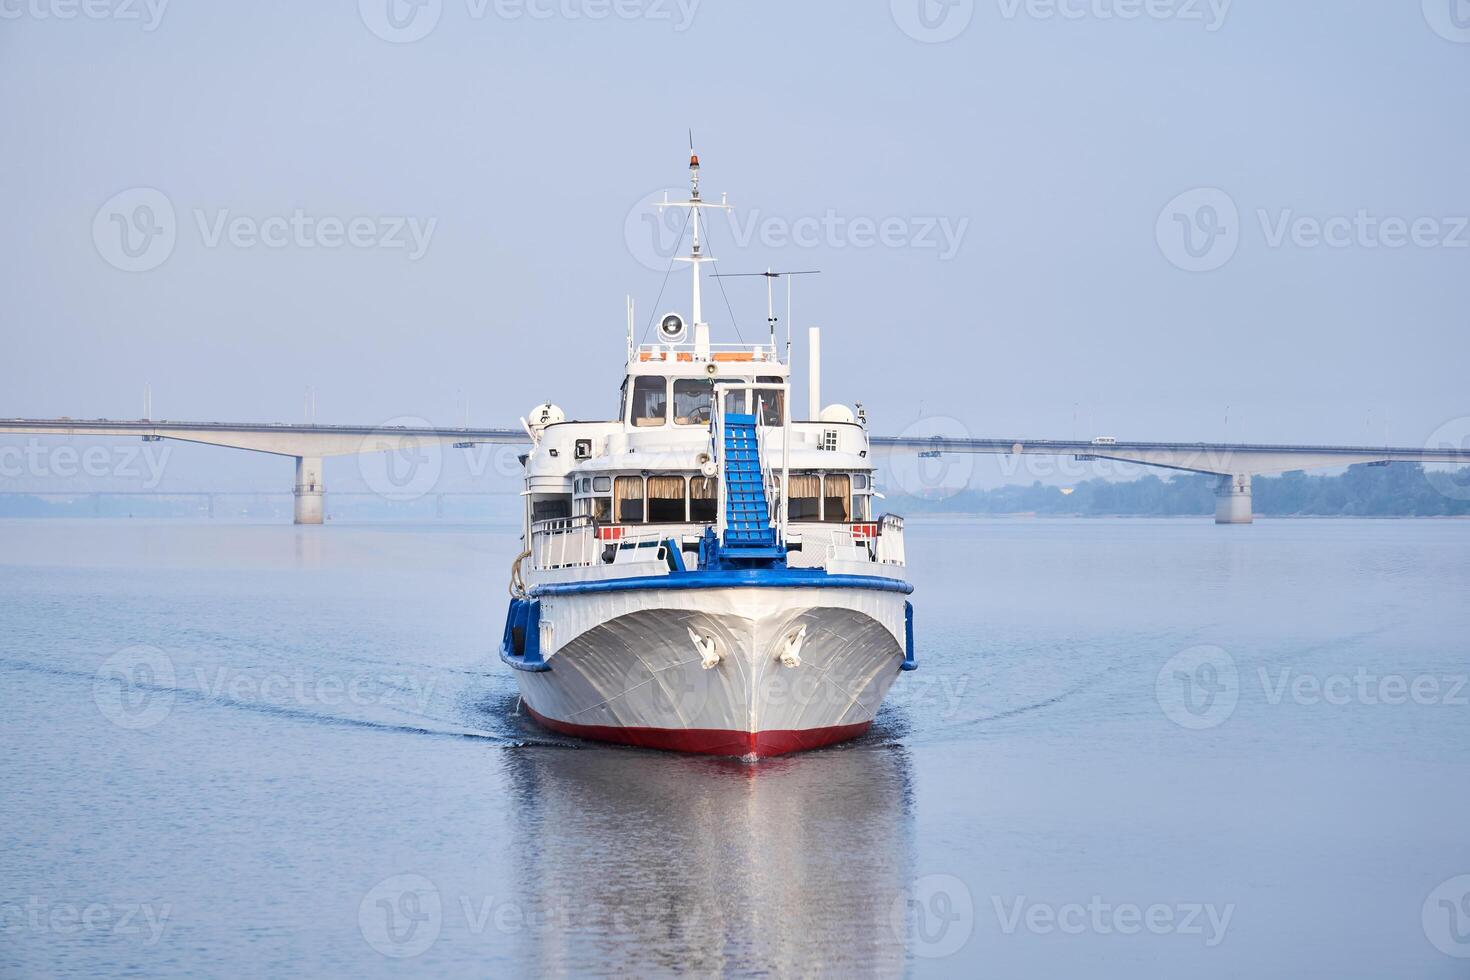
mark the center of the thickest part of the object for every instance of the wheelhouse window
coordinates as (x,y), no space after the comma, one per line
(692,400)
(650,400)
(703,507)
(665,499)
(805,501)
(836,496)
(628,498)
(772,402)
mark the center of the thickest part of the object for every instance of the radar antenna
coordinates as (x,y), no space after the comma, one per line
(770,278)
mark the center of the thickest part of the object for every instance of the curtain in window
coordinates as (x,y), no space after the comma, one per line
(628,493)
(806,488)
(837,494)
(703,507)
(666,499)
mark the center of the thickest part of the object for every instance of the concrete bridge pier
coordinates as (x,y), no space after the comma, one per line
(1233,499)
(308,490)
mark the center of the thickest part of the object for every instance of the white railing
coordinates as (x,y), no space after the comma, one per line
(564,542)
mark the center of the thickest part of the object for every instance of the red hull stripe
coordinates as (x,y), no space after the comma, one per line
(708,741)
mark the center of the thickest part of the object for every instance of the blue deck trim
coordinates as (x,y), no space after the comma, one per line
(909,663)
(761,578)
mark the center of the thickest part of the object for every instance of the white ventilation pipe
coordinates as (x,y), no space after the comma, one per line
(814,373)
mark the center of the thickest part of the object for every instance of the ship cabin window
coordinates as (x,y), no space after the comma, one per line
(703,507)
(650,400)
(692,400)
(628,498)
(549,506)
(595,503)
(862,497)
(806,500)
(836,495)
(772,401)
(666,500)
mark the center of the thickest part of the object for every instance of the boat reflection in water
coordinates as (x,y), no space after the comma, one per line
(634,862)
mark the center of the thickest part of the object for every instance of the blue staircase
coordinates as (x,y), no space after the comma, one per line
(748,531)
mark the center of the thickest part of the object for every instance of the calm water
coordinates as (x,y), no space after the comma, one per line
(1133,748)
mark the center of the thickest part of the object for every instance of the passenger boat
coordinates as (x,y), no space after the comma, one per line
(705,573)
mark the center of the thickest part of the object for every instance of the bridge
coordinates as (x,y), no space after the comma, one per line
(307,444)
(1233,463)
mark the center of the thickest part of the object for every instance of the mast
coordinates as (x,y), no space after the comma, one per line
(696,256)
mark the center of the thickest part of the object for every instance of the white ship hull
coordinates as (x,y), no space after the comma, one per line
(623,666)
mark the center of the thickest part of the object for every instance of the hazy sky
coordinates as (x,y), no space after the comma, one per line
(997,214)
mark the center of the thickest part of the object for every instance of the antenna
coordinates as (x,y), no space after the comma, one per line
(695,204)
(770,308)
(148,401)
